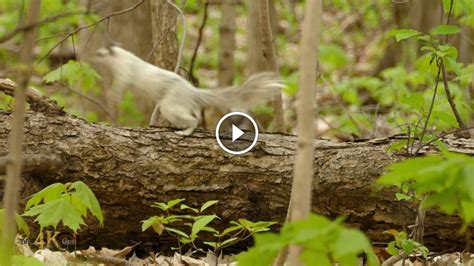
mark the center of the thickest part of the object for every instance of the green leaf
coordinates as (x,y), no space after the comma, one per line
(231,229)
(403,34)
(202,222)
(151,222)
(51,192)
(332,56)
(405,170)
(208,204)
(87,197)
(166,206)
(401,196)
(213,245)
(450,62)
(55,211)
(21,224)
(392,249)
(348,244)
(170,204)
(178,232)
(228,241)
(186,207)
(445,30)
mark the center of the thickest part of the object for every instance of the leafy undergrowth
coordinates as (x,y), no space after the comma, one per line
(126,256)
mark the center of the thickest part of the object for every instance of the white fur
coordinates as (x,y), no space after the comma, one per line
(177,100)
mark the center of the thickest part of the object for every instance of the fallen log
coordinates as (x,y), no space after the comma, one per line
(130,168)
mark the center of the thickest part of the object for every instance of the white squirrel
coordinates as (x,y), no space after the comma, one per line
(177,100)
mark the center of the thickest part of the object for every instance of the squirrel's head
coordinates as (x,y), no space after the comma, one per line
(108,51)
(110,55)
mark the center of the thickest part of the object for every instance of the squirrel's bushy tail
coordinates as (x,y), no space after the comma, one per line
(257,89)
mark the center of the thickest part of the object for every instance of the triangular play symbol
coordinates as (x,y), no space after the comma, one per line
(236,133)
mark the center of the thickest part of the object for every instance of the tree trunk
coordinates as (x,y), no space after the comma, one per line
(15,139)
(165,42)
(301,192)
(130,168)
(227,43)
(262,51)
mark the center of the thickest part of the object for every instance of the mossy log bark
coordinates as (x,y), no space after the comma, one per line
(130,168)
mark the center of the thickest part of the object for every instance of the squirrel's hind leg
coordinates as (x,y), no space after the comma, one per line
(180,117)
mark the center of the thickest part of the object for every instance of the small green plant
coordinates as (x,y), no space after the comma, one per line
(67,203)
(324,242)
(402,244)
(445,181)
(198,226)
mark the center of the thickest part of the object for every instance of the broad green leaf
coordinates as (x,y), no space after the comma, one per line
(201,223)
(402,171)
(51,192)
(170,204)
(87,197)
(445,30)
(55,211)
(350,242)
(150,222)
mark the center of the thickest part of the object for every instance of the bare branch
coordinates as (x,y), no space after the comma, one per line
(193,79)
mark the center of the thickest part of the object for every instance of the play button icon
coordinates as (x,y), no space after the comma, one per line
(237,133)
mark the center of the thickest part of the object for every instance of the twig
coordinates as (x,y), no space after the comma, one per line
(100,105)
(450,96)
(198,44)
(183,39)
(91,25)
(447,134)
(425,127)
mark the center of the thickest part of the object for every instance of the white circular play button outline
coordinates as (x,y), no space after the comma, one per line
(254,126)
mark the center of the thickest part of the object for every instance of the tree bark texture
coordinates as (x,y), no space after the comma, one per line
(227,43)
(262,51)
(130,168)
(165,42)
